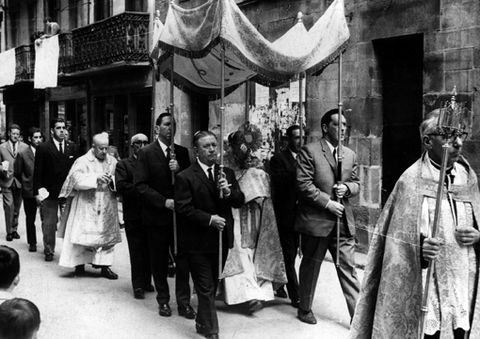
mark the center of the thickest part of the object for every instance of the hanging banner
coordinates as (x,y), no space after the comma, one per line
(47,51)
(7,71)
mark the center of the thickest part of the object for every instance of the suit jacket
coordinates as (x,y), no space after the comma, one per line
(24,168)
(283,174)
(132,206)
(196,200)
(10,177)
(153,181)
(51,167)
(315,179)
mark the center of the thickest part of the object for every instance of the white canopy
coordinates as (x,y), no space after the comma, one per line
(197,36)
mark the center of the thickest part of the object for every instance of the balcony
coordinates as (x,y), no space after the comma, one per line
(24,63)
(65,58)
(122,38)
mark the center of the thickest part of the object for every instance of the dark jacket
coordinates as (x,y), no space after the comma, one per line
(315,179)
(132,206)
(196,200)
(283,175)
(153,181)
(24,164)
(51,167)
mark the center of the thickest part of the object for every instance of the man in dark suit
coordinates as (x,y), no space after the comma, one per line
(319,191)
(283,173)
(53,160)
(203,214)
(25,163)
(153,181)
(132,215)
(11,186)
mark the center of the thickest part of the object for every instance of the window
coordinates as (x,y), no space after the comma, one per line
(136,5)
(102,9)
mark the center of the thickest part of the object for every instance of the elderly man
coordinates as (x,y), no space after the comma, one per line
(11,185)
(92,228)
(132,215)
(402,245)
(318,210)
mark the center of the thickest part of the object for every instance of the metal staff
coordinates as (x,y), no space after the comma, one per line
(221,174)
(300,122)
(339,152)
(172,147)
(445,130)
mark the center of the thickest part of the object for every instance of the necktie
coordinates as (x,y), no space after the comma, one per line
(335,155)
(14,150)
(167,151)
(60,147)
(210,174)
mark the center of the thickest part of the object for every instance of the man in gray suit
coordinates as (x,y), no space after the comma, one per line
(321,201)
(24,166)
(11,186)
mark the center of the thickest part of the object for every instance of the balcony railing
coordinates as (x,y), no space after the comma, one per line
(123,37)
(24,63)
(65,59)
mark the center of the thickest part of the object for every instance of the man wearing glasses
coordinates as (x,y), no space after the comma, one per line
(136,234)
(402,247)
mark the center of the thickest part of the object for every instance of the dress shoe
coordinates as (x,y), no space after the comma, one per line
(80,270)
(32,248)
(212,336)
(295,303)
(149,288)
(164,310)
(15,235)
(254,306)
(106,272)
(187,312)
(306,317)
(139,293)
(280,293)
(9,237)
(49,257)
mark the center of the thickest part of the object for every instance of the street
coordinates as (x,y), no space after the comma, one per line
(94,307)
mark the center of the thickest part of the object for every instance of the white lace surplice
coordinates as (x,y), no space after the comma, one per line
(451,293)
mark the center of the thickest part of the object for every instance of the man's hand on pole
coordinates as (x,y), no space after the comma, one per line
(335,208)
(170,204)
(174,166)
(218,222)
(340,190)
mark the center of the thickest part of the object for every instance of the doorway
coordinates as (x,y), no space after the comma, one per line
(401,66)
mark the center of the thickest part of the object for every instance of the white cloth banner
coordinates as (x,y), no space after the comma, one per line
(7,67)
(46,63)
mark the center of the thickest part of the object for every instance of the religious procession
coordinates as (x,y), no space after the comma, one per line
(284,169)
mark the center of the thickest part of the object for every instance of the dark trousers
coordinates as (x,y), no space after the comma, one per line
(12,200)
(30,207)
(289,239)
(49,214)
(204,269)
(137,239)
(159,239)
(314,250)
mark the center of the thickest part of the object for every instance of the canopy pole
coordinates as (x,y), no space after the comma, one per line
(221,173)
(339,151)
(172,146)
(300,107)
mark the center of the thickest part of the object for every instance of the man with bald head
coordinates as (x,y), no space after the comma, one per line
(135,231)
(91,229)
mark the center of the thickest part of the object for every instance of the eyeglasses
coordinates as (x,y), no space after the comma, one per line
(141,142)
(451,135)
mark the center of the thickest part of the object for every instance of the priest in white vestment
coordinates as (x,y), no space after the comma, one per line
(91,217)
